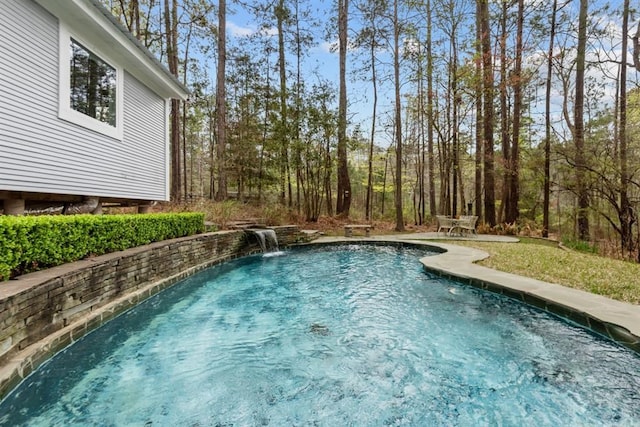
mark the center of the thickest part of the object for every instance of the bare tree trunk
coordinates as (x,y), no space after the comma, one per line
(504,117)
(432,185)
(212,157)
(267,103)
(327,177)
(398,119)
(374,81)
(514,181)
(421,144)
(343,202)
(185,69)
(297,149)
(146,40)
(547,126)
(447,150)
(384,180)
(454,125)
(635,39)
(463,206)
(131,15)
(627,216)
(283,131)
(487,67)
(171,24)
(135,9)
(583,198)
(221,101)
(479,135)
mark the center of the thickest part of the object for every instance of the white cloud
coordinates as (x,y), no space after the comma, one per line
(329,47)
(238,31)
(271,31)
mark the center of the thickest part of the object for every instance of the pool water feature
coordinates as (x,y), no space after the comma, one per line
(268,240)
(340,335)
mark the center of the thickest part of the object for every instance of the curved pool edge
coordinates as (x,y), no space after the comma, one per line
(24,362)
(43,312)
(616,320)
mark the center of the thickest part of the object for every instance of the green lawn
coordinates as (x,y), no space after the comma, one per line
(541,260)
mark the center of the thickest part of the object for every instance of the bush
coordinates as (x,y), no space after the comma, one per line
(38,242)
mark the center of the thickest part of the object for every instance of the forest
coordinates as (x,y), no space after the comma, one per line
(525,113)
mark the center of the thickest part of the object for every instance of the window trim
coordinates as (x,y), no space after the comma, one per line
(65,112)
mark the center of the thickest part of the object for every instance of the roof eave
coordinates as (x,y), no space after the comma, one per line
(93,22)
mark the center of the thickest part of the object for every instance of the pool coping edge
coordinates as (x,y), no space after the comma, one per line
(27,360)
(616,320)
(613,319)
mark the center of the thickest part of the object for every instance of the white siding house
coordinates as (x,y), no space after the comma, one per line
(62,142)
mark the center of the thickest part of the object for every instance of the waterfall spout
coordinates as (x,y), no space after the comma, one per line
(268,241)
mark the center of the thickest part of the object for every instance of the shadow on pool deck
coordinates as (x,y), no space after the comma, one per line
(617,320)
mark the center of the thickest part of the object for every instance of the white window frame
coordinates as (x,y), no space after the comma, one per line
(65,112)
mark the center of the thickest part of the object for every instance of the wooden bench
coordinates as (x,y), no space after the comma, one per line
(348,229)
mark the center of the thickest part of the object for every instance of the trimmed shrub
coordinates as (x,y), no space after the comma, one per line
(30,243)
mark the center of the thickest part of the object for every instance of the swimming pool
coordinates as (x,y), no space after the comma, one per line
(338,335)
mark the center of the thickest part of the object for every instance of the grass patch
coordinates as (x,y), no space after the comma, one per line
(545,261)
(580,246)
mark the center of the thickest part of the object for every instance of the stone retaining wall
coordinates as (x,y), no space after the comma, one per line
(42,312)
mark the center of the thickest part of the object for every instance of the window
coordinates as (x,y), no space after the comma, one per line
(90,87)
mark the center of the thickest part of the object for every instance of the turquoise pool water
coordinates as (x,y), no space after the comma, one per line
(331,336)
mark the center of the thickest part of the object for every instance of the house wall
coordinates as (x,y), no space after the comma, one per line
(41,153)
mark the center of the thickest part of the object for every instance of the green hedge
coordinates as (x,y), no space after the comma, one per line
(29,243)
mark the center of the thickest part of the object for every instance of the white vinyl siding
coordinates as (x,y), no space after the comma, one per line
(41,153)
(144,126)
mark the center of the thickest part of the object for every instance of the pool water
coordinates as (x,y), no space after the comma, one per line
(331,336)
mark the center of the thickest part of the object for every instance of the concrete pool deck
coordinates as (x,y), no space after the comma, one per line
(617,320)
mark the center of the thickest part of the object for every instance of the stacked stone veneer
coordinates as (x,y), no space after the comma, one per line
(42,312)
